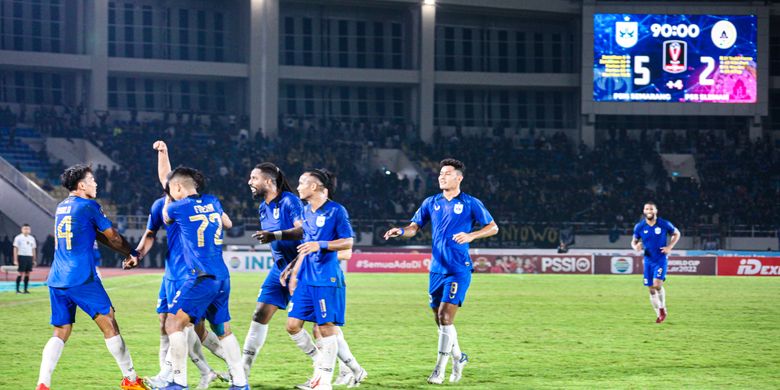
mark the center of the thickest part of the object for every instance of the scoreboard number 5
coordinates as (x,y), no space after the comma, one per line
(641,70)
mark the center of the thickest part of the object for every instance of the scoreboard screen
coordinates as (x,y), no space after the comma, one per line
(674,58)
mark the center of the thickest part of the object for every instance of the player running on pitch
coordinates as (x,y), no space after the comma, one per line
(73,281)
(452,215)
(650,236)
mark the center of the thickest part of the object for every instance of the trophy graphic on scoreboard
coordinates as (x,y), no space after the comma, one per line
(675,56)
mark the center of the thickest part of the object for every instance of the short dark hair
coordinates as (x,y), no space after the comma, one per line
(650,202)
(26,225)
(73,175)
(191,173)
(457,164)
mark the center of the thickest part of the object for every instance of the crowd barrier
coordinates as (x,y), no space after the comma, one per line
(521,262)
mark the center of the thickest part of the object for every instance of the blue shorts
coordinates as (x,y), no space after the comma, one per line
(449,288)
(168,290)
(90,297)
(272,292)
(319,304)
(654,270)
(203,297)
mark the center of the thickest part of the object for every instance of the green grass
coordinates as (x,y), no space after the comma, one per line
(521,331)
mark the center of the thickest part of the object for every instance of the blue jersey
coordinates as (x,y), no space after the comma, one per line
(448,218)
(654,237)
(96,252)
(75,225)
(329,222)
(200,219)
(281,214)
(175,266)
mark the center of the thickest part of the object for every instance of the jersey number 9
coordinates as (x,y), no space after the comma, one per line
(204,223)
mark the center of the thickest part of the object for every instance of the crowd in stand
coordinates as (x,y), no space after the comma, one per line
(547,179)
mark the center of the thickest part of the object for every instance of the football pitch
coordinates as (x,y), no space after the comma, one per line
(520,331)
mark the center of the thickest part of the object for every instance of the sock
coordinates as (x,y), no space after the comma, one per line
(445,346)
(303,341)
(655,302)
(163,352)
(233,359)
(662,297)
(196,352)
(51,355)
(345,355)
(167,372)
(253,343)
(178,352)
(326,361)
(456,354)
(18,281)
(211,342)
(26,282)
(116,345)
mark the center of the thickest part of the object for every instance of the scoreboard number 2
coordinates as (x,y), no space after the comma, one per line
(710,66)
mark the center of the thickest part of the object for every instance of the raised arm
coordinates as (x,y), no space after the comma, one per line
(163,162)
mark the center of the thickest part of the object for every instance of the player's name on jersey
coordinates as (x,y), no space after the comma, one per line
(202,209)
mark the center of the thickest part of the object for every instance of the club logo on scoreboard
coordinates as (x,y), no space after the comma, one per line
(724,34)
(626,33)
(675,56)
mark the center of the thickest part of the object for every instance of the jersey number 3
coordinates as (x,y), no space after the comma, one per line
(204,223)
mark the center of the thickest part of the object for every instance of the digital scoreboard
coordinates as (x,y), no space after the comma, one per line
(674,58)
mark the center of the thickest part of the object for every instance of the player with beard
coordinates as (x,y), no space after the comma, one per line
(279,210)
(650,236)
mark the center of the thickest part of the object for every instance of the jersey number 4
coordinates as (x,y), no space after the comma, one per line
(64,231)
(204,223)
